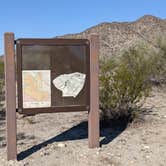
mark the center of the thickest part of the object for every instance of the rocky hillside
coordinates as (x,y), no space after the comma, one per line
(115,36)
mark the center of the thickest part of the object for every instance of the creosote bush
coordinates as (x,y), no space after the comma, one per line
(1,70)
(1,79)
(159,61)
(124,83)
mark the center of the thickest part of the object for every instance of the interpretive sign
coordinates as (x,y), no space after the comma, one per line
(52,75)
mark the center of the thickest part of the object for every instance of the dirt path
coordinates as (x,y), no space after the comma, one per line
(61,140)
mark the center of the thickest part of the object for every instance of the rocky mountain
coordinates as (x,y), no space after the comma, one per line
(115,36)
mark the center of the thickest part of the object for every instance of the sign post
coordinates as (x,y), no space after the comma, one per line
(93,116)
(10,95)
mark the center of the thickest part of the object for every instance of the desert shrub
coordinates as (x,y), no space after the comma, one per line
(1,69)
(124,83)
(1,79)
(159,61)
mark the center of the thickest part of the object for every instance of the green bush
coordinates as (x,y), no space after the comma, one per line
(124,83)
(1,78)
(1,69)
(159,61)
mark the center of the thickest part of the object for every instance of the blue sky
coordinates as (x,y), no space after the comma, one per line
(49,18)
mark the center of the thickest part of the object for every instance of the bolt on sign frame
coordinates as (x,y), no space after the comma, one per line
(59,56)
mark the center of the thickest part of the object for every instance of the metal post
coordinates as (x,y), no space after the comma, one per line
(93,116)
(10,95)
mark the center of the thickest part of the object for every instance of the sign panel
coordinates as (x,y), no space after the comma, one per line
(53,73)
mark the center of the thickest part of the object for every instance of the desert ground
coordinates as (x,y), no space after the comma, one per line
(61,139)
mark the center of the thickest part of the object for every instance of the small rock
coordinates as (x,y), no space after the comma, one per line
(81,155)
(46,153)
(61,145)
(146,147)
(41,153)
(147,157)
(20,116)
(26,164)
(97,152)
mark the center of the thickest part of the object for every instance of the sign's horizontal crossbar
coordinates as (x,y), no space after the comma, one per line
(32,111)
(56,41)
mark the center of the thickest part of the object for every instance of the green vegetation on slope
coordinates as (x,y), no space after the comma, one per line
(125,82)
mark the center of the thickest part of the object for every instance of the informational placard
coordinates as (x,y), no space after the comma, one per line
(36,88)
(70,84)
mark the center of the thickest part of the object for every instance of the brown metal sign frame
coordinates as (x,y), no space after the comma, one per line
(92,102)
(51,42)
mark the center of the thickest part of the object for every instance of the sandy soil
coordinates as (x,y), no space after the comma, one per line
(61,139)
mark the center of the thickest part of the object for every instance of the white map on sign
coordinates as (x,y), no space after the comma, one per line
(70,84)
(36,88)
